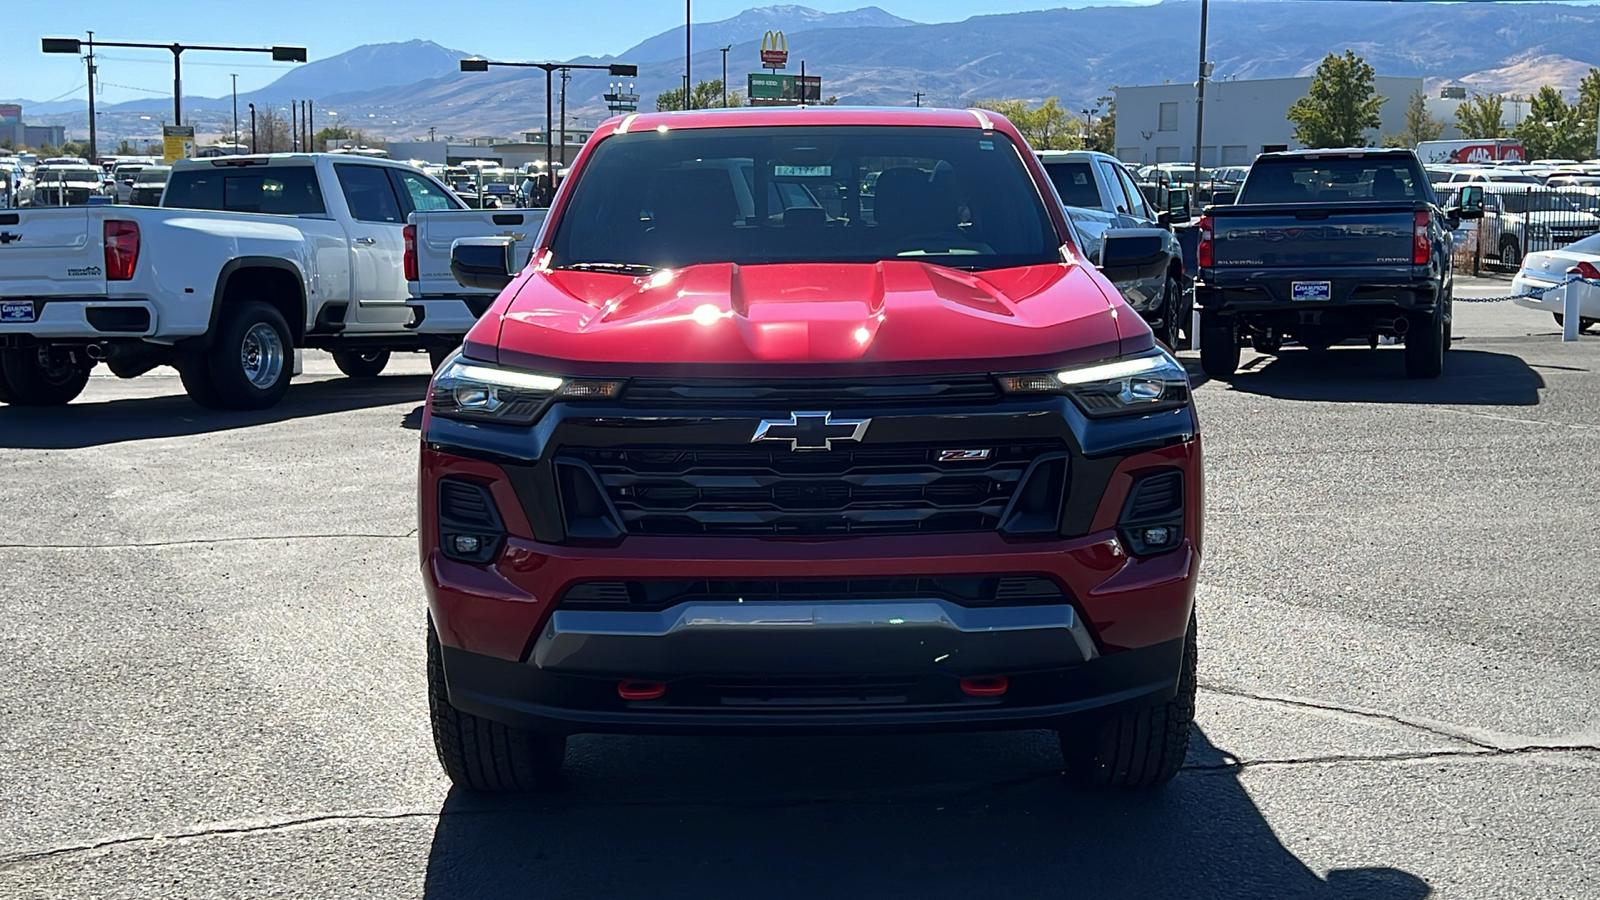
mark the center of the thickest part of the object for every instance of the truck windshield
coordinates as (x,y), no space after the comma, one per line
(1334,180)
(660,199)
(276,190)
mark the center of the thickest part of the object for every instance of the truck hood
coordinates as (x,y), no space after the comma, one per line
(896,315)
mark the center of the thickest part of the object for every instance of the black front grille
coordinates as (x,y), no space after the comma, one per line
(777,491)
(963,590)
(812,393)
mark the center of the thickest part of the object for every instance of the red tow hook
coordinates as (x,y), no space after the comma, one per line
(641,690)
(985,686)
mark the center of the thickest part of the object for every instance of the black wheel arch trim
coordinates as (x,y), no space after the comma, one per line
(297,323)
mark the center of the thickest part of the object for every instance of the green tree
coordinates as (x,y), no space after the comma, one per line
(1589,110)
(1341,105)
(1553,129)
(707,95)
(1103,133)
(125,148)
(47,150)
(1420,126)
(1045,127)
(1482,116)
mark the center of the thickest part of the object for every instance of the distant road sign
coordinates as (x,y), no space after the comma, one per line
(774,50)
(1453,93)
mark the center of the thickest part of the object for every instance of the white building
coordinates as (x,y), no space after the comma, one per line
(1155,123)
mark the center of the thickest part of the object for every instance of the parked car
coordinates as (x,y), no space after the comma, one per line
(123,177)
(148,186)
(248,259)
(1099,195)
(1518,219)
(702,472)
(1546,268)
(1328,245)
(1498,175)
(66,185)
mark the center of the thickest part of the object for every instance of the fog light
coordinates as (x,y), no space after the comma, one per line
(1158,536)
(468,544)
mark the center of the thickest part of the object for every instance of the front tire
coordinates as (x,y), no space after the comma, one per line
(250,361)
(26,380)
(359,364)
(483,755)
(1219,346)
(1143,747)
(1171,299)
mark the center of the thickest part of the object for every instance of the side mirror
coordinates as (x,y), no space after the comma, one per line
(1133,254)
(1472,201)
(1178,204)
(485,263)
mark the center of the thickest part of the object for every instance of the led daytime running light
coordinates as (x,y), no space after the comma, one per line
(505,378)
(1107,371)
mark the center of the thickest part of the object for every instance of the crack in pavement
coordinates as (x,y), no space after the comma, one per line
(1230,766)
(1438,729)
(201,542)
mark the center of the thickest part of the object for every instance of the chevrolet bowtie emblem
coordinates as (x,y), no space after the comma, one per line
(811,430)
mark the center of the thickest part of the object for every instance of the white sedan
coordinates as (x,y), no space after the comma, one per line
(1548,267)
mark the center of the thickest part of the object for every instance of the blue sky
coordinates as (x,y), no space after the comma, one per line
(559,30)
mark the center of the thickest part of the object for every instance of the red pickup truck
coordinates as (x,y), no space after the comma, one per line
(809,420)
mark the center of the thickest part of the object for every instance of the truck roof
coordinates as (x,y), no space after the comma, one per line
(279,159)
(1337,151)
(758,116)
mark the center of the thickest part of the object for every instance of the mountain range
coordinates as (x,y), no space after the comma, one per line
(868,56)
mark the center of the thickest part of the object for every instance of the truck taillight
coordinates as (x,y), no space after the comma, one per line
(410,232)
(1421,247)
(1207,252)
(122,249)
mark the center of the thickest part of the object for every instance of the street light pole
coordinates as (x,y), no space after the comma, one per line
(725,75)
(688,51)
(252,128)
(94,147)
(482,65)
(235,110)
(1200,102)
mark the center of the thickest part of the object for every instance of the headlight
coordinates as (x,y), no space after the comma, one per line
(481,392)
(1152,382)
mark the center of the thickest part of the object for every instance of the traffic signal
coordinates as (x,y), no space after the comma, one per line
(474,65)
(289,54)
(62,45)
(625,71)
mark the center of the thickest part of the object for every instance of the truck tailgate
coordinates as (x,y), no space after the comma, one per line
(51,253)
(1296,235)
(438,230)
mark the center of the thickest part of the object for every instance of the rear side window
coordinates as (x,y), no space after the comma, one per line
(369,194)
(278,190)
(1335,180)
(421,193)
(1075,183)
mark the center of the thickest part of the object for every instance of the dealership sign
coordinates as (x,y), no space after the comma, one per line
(784,90)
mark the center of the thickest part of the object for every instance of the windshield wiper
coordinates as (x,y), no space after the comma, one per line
(620,268)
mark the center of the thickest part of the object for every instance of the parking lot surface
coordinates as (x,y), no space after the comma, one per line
(213,632)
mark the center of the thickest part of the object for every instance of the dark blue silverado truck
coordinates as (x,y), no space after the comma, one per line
(1327,245)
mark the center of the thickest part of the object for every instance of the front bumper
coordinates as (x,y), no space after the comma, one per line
(517,650)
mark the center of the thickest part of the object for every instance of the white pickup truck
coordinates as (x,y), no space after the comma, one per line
(247,259)
(445,304)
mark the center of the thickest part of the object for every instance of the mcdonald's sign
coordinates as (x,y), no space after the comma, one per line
(774,50)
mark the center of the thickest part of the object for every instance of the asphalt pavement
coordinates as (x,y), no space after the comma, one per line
(213,647)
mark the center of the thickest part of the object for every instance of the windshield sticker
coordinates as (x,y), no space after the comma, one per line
(986,145)
(802,171)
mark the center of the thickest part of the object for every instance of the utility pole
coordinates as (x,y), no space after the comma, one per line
(919,95)
(252,128)
(294,126)
(688,51)
(311,133)
(566,76)
(94,147)
(235,110)
(1200,103)
(725,75)
(430,133)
